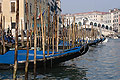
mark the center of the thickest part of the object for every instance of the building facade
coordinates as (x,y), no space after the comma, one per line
(8,10)
(115,14)
(109,20)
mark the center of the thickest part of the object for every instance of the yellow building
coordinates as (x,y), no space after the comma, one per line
(8,10)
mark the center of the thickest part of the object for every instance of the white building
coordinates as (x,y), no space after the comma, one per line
(94,17)
(109,20)
(115,14)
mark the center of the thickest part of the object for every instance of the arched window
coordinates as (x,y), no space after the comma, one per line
(84,23)
(91,23)
(99,25)
(80,23)
(110,28)
(107,27)
(103,26)
(95,24)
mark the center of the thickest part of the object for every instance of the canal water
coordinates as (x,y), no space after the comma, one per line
(101,62)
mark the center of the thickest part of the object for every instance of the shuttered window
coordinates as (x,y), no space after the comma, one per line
(0,7)
(13,25)
(12,6)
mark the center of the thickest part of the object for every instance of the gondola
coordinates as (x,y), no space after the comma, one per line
(9,42)
(94,42)
(7,60)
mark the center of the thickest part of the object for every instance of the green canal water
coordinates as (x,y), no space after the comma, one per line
(101,62)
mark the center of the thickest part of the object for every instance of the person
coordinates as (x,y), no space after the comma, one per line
(8,31)
(86,39)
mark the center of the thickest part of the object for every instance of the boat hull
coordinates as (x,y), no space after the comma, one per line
(50,61)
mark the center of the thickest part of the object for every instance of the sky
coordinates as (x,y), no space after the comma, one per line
(78,6)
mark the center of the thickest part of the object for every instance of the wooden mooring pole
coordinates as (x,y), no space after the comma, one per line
(82,31)
(69,32)
(63,32)
(77,34)
(35,37)
(22,34)
(16,40)
(43,34)
(3,34)
(11,24)
(48,31)
(27,56)
(67,38)
(57,32)
(73,42)
(31,33)
(85,32)
(53,33)
(80,34)
(0,36)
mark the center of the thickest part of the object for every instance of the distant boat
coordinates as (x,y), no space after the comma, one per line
(118,36)
(94,42)
(115,37)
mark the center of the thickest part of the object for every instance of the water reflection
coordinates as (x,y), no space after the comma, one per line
(101,62)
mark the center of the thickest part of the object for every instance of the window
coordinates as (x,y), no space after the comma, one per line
(117,20)
(12,6)
(0,7)
(25,8)
(110,21)
(25,26)
(13,25)
(37,11)
(30,8)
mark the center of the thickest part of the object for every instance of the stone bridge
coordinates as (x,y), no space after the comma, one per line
(103,31)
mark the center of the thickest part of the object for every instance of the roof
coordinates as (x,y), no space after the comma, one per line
(97,12)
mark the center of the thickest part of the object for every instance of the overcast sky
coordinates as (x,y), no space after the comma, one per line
(77,6)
